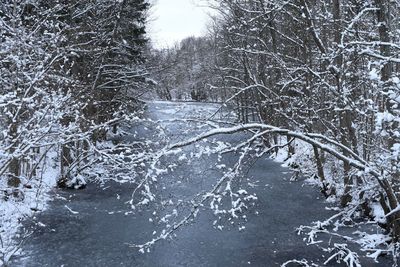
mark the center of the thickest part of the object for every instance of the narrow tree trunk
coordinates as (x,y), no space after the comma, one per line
(291,149)
(14,166)
(66,161)
(320,171)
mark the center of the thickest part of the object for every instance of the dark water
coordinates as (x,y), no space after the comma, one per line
(98,234)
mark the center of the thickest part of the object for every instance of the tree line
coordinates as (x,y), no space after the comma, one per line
(329,69)
(69,72)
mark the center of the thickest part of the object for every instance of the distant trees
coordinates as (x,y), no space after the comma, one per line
(186,70)
(70,70)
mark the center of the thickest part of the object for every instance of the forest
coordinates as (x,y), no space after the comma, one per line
(312,83)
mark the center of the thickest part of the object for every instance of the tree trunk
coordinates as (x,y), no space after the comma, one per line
(14,166)
(320,168)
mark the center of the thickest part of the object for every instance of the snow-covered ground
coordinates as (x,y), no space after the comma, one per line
(34,198)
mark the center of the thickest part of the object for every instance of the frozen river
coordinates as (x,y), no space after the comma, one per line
(102,224)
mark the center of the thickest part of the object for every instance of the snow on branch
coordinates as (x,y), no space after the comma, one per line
(308,138)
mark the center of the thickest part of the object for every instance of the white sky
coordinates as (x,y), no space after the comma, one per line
(173,20)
